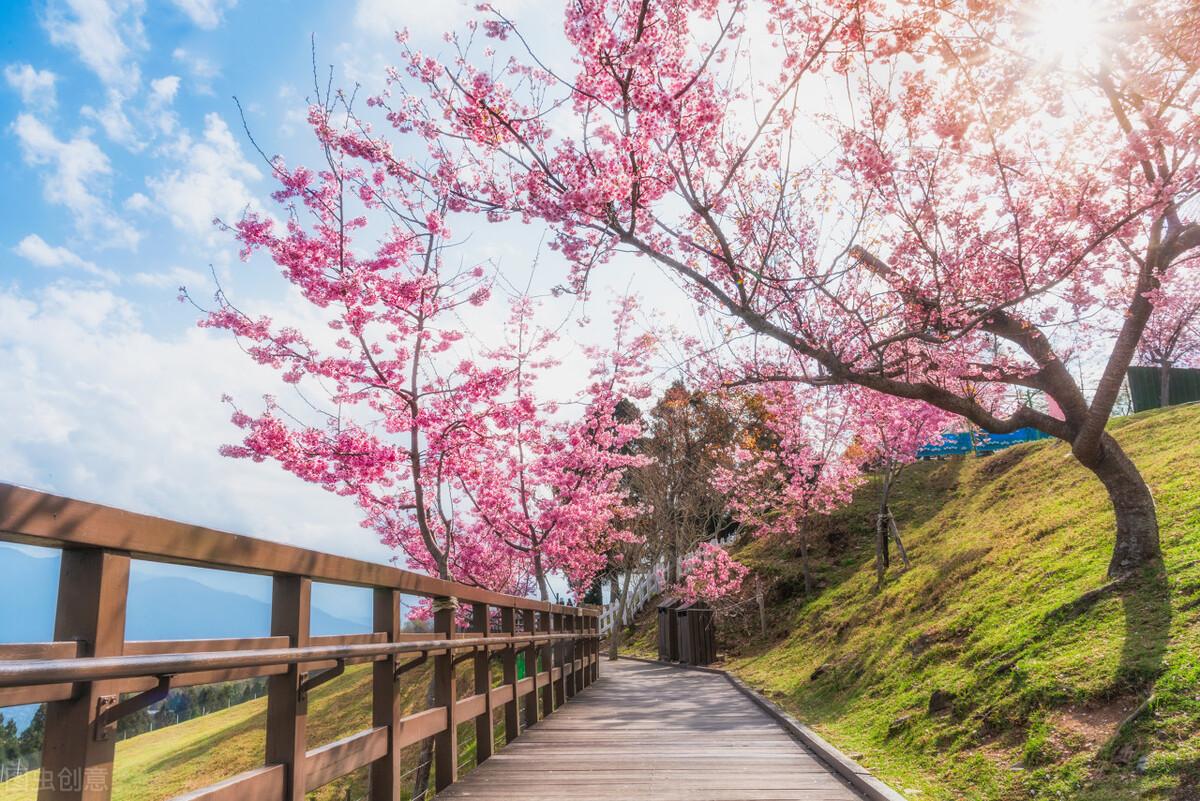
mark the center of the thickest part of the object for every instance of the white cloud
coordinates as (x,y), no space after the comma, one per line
(172,278)
(138,202)
(163,89)
(77,168)
(211,182)
(40,252)
(98,408)
(35,86)
(385,17)
(204,13)
(200,68)
(103,33)
(115,121)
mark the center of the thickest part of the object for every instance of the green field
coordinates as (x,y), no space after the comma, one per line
(1006,613)
(176,759)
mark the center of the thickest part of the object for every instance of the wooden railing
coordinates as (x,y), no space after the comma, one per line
(84,673)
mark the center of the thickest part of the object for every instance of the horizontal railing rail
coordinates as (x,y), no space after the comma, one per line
(90,675)
(24,673)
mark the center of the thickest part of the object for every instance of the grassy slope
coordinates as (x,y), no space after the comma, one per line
(165,763)
(994,611)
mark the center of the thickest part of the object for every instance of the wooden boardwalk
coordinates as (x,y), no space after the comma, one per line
(647,732)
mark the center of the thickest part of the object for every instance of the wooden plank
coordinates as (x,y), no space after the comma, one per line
(654,733)
(40,650)
(156,647)
(287,710)
(93,588)
(37,694)
(332,761)
(470,707)
(419,725)
(261,784)
(502,697)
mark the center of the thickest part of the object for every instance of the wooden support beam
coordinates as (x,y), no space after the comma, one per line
(77,760)
(512,720)
(572,680)
(485,723)
(548,653)
(560,662)
(386,706)
(287,707)
(531,668)
(445,693)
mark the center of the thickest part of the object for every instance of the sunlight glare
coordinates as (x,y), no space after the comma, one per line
(1065,31)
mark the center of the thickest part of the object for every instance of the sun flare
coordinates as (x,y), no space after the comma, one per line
(1065,31)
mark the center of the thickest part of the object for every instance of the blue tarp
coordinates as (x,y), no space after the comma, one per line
(955,444)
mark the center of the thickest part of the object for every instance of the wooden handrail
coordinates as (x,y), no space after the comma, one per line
(37,518)
(29,672)
(83,673)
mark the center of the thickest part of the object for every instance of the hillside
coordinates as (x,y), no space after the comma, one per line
(1041,671)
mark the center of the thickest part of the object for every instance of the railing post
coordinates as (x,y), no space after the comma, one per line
(512,720)
(77,760)
(287,710)
(548,651)
(387,708)
(531,668)
(560,650)
(484,724)
(445,751)
(588,644)
(596,649)
(582,650)
(573,678)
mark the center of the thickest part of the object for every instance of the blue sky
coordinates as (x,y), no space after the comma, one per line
(119,143)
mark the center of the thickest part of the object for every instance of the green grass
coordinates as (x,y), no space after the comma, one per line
(177,759)
(994,612)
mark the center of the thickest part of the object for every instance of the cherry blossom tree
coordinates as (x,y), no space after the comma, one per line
(709,574)
(911,198)
(551,490)
(1172,336)
(393,407)
(393,416)
(792,465)
(889,432)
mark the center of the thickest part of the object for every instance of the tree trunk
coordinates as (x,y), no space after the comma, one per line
(762,606)
(804,566)
(614,635)
(1137,521)
(882,557)
(895,530)
(540,572)
(1164,385)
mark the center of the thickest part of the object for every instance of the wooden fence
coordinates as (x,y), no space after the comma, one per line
(90,675)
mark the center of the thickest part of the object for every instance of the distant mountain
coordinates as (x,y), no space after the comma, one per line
(28,587)
(160,608)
